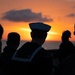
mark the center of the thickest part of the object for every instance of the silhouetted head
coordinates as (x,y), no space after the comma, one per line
(66,35)
(39,31)
(1,31)
(13,39)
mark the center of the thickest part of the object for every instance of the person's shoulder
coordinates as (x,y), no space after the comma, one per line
(71,44)
(29,44)
(23,46)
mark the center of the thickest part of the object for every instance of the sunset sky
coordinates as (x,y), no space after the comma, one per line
(15,15)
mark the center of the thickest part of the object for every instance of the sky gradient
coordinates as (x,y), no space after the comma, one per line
(15,15)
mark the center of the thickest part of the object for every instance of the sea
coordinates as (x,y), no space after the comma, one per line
(48,45)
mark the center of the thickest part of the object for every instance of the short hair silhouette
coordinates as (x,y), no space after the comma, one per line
(66,35)
(13,38)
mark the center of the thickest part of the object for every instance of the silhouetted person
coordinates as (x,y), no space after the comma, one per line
(66,48)
(13,41)
(1,33)
(67,66)
(32,58)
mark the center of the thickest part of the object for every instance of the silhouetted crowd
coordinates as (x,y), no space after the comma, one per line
(32,58)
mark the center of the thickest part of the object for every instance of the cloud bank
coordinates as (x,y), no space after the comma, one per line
(25,15)
(71,15)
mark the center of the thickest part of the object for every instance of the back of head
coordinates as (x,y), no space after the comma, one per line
(39,30)
(1,31)
(13,38)
(66,35)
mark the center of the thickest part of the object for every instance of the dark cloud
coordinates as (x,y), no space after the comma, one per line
(71,15)
(25,15)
